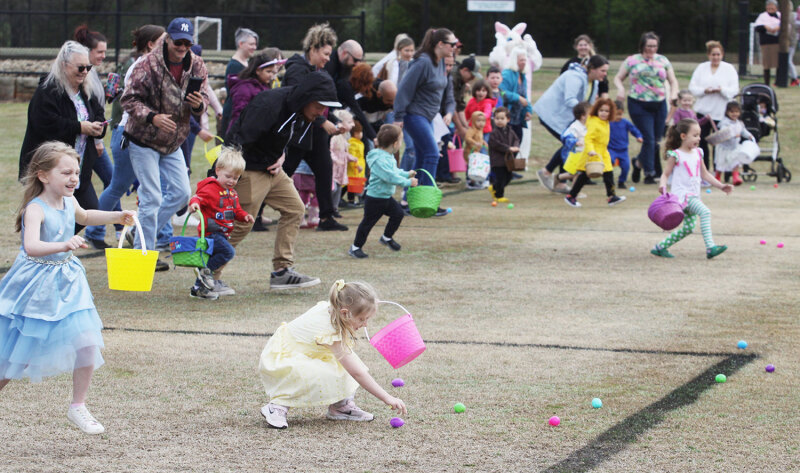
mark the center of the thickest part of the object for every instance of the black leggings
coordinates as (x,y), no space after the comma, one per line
(581,179)
(318,159)
(555,161)
(374,209)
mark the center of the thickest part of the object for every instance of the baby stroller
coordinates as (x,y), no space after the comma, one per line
(762,126)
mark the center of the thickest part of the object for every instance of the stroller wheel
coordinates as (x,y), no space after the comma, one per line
(749,175)
(787,175)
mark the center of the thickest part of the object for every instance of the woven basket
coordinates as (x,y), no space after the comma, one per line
(423,201)
(191,252)
(666,211)
(594,169)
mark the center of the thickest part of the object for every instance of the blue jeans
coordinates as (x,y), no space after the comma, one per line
(649,118)
(163,188)
(223,251)
(421,131)
(409,156)
(104,170)
(624,163)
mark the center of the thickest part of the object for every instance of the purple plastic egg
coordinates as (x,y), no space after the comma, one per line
(396,422)
(397,382)
(770,368)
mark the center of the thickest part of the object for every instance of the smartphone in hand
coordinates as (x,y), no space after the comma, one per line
(194,86)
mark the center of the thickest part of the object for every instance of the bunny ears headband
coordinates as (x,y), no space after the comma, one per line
(279,62)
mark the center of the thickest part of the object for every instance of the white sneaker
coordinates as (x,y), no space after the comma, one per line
(81,417)
(348,411)
(275,415)
(205,277)
(177,221)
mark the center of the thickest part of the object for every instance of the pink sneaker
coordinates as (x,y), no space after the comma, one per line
(275,415)
(347,410)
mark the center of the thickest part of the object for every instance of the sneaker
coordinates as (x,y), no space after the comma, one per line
(129,237)
(330,225)
(637,173)
(453,180)
(288,278)
(571,201)
(348,411)
(81,417)
(650,180)
(440,212)
(621,185)
(795,82)
(662,252)
(205,277)
(614,200)
(390,243)
(162,265)
(515,176)
(177,221)
(406,210)
(357,253)
(275,415)
(98,244)
(561,189)
(200,292)
(503,200)
(223,289)
(336,214)
(484,185)
(545,180)
(715,250)
(472,186)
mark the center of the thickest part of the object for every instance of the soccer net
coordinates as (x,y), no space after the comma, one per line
(202,23)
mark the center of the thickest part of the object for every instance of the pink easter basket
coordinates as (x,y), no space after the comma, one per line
(455,158)
(666,211)
(400,341)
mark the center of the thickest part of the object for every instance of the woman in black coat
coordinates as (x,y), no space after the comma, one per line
(63,109)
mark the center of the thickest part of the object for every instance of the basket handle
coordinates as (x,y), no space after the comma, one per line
(393,303)
(205,143)
(429,175)
(139,229)
(202,223)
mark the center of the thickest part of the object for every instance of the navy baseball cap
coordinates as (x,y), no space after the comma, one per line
(181,28)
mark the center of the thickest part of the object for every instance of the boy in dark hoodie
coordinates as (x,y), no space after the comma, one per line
(272,120)
(218,201)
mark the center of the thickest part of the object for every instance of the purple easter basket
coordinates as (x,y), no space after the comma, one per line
(666,211)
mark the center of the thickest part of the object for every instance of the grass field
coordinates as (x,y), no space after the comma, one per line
(527,313)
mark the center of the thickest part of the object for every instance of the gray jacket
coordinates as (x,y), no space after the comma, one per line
(422,90)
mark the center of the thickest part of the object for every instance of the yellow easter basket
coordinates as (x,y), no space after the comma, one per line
(131,269)
(213,153)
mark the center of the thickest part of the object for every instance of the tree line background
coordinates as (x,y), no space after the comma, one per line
(615,25)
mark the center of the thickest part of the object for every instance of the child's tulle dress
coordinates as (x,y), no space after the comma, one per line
(297,367)
(46,309)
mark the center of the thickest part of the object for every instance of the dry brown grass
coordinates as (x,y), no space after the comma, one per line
(540,274)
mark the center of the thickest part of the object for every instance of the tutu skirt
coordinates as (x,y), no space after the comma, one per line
(35,348)
(298,374)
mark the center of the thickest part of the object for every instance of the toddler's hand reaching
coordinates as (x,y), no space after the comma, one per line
(76,242)
(727,188)
(414,182)
(639,140)
(194,207)
(412,173)
(397,404)
(249,219)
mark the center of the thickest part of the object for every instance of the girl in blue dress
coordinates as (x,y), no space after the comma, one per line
(48,322)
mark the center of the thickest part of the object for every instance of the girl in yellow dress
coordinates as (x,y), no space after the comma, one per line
(310,361)
(356,168)
(598,132)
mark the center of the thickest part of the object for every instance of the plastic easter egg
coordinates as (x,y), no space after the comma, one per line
(597,403)
(632,189)
(494,203)
(396,422)
(554,421)
(459,408)
(741,345)
(708,191)
(770,368)
(397,382)
(510,206)
(779,245)
(721,378)
(763,242)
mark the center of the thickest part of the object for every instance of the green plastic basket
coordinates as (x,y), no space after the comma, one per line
(190,252)
(423,201)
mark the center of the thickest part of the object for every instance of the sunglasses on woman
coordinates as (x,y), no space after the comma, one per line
(83,68)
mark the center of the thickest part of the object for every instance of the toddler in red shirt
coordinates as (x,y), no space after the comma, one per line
(219,204)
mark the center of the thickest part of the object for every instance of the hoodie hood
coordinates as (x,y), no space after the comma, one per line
(576,66)
(317,86)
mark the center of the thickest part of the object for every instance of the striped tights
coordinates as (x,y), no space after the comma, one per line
(694,208)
